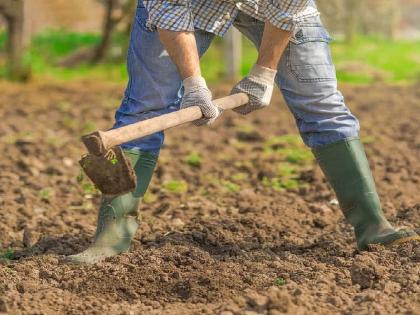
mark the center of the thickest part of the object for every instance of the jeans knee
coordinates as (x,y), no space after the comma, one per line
(330,133)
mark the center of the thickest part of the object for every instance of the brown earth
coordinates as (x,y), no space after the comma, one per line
(218,235)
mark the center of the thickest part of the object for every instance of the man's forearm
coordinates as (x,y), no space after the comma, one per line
(182,49)
(273,44)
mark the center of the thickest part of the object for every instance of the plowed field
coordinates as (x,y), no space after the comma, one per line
(238,219)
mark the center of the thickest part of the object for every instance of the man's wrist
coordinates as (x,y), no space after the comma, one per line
(267,62)
(194,81)
(187,72)
(263,74)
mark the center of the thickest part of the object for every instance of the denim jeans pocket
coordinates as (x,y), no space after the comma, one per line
(309,57)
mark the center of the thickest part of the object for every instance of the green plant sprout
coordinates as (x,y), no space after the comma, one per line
(280,282)
(230,187)
(9,254)
(176,186)
(194,160)
(89,188)
(80,177)
(46,193)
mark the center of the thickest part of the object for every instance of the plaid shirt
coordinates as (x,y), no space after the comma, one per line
(216,16)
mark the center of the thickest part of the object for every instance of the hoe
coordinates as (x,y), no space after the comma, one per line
(106,165)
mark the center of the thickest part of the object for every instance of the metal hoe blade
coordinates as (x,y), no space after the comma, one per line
(112,172)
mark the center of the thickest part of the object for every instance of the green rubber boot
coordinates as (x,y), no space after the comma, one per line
(347,169)
(117,219)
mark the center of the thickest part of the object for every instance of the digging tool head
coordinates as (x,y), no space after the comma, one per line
(94,142)
(111,172)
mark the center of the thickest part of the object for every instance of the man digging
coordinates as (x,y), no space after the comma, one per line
(168,38)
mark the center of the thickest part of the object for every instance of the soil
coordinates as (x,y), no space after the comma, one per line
(215,238)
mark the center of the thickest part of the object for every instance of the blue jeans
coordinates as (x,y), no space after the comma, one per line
(306,77)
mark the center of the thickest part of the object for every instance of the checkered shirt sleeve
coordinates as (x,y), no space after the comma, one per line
(172,15)
(285,13)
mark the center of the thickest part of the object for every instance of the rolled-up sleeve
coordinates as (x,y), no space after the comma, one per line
(283,13)
(172,15)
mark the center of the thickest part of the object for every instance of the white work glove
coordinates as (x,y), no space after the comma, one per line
(196,93)
(258,84)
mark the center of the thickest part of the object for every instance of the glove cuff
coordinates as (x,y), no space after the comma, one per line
(263,74)
(194,82)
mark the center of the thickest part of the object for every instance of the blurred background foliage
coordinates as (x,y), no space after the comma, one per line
(375,41)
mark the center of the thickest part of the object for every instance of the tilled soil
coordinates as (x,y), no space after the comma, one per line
(221,232)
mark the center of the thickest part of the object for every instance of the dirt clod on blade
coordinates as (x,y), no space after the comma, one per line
(112,173)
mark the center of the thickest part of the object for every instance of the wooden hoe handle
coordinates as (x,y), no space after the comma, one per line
(99,142)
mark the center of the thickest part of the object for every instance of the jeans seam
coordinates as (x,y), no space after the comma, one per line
(130,83)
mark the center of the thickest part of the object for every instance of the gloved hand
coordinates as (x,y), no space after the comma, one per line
(196,93)
(258,84)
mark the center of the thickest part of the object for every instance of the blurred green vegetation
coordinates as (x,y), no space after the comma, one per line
(2,39)
(51,45)
(9,254)
(365,61)
(48,48)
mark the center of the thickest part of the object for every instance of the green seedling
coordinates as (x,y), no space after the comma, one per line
(244,164)
(296,156)
(80,177)
(9,254)
(289,148)
(89,188)
(267,182)
(149,197)
(88,205)
(280,282)
(286,170)
(230,187)
(46,193)
(204,192)
(290,183)
(287,177)
(238,177)
(114,161)
(280,183)
(368,139)
(246,128)
(176,186)
(194,160)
